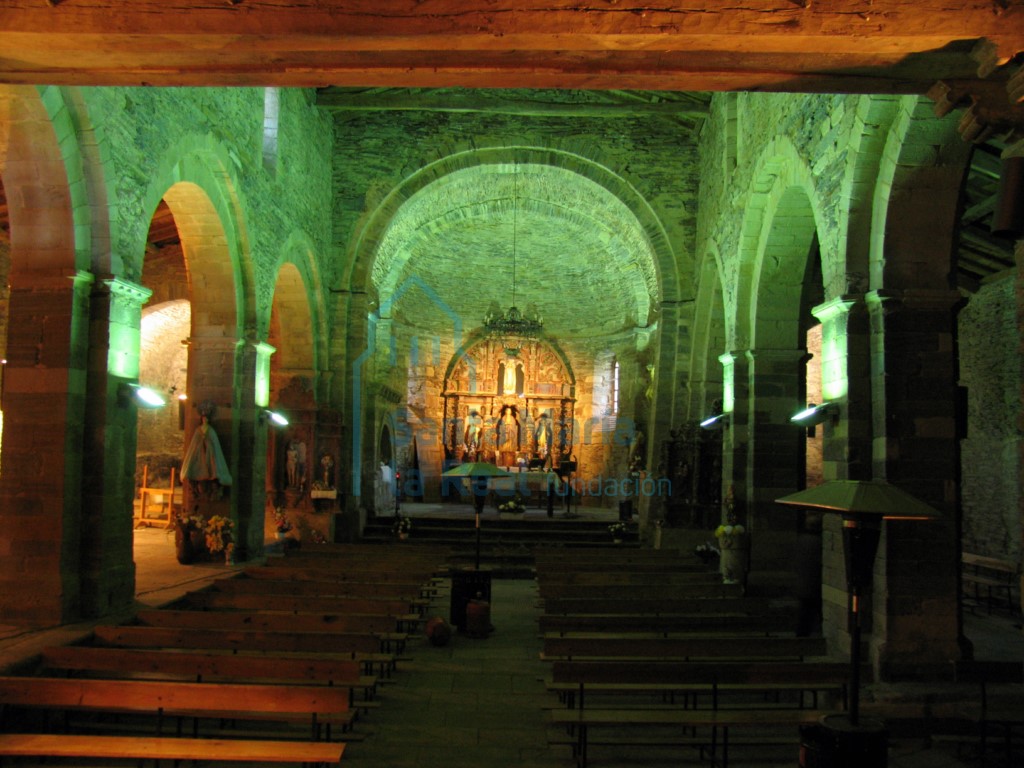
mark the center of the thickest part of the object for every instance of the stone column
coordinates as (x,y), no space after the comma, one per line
(735,402)
(914,368)
(108,570)
(775,460)
(661,409)
(846,380)
(44,390)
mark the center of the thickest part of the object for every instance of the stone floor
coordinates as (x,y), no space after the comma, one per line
(475,702)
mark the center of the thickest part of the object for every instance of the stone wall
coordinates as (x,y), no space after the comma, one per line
(990,370)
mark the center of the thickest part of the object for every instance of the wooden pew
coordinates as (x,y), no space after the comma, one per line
(317,705)
(714,588)
(624,623)
(269,621)
(129,636)
(573,680)
(606,554)
(718,723)
(206,666)
(409,591)
(611,646)
(381,574)
(364,648)
(642,580)
(79,746)
(401,609)
(655,606)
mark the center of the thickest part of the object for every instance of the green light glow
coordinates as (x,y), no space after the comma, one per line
(262,383)
(833,316)
(728,362)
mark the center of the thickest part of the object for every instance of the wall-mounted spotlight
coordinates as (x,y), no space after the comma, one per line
(276,418)
(143,396)
(813,414)
(716,422)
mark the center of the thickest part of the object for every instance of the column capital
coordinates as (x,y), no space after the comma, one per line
(127,291)
(889,299)
(837,307)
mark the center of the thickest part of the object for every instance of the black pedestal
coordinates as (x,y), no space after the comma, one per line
(467,584)
(837,743)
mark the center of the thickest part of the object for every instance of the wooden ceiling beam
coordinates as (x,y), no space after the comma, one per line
(842,46)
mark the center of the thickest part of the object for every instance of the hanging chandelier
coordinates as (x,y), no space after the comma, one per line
(512,329)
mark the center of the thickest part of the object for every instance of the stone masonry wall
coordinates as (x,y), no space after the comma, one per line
(990,369)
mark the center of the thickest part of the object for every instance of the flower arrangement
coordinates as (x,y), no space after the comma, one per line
(515,505)
(281,521)
(618,530)
(707,551)
(317,537)
(218,534)
(730,533)
(402,525)
(190,522)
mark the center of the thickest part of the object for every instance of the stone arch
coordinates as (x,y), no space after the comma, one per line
(778,232)
(194,180)
(368,242)
(710,331)
(298,303)
(916,199)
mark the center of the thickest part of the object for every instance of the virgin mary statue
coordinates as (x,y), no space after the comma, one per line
(204,460)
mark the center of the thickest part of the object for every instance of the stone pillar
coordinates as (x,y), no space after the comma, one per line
(44,389)
(736,402)
(249,444)
(662,412)
(914,368)
(108,569)
(846,380)
(775,462)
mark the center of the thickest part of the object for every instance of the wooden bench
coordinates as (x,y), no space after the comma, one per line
(706,590)
(364,648)
(991,577)
(662,606)
(269,621)
(401,609)
(320,706)
(410,591)
(611,646)
(78,746)
(667,623)
(204,666)
(639,580)
(719,724)
(571,681)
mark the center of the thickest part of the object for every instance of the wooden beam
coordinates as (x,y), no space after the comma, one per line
(844,46)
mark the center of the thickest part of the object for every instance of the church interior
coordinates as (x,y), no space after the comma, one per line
(359,254)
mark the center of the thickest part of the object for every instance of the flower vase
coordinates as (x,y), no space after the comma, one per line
(183,548)
(734,559)
(403,535)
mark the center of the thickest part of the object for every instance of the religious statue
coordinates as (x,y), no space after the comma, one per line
(508,436)
(296,463)
(203,463)
(542,435)
(327,468)
(474,428)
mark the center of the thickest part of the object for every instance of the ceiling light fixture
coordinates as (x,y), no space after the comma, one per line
(513,328)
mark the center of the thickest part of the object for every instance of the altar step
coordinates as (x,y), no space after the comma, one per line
(506,546)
